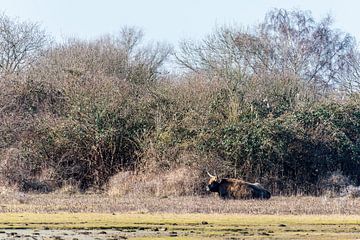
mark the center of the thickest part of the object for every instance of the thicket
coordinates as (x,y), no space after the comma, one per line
(277,104)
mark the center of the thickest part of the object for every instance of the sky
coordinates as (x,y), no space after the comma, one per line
(167,20)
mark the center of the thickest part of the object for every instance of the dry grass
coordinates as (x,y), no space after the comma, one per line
(60,202)
(181,181)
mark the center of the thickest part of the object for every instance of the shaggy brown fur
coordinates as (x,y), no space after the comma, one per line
(237,189)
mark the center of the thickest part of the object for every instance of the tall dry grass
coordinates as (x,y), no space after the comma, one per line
(182,181)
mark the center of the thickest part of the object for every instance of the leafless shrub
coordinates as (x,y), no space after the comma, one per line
(123,56)
(74,112)
(14,167)
(335,184)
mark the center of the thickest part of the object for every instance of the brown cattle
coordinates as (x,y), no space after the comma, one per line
(232,188)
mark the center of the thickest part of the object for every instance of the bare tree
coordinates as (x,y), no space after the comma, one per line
(218,58)
(312,50)
(20,42)
(288,44)
(350,83)
(142,62)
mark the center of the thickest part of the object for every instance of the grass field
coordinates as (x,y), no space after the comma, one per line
(95,216)
(180,226)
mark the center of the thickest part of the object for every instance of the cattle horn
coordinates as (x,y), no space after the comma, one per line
(209,174)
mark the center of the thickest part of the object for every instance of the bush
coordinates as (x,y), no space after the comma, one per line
(293,151)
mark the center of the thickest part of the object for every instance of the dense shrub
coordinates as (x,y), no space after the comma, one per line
(89,112)
(293,151)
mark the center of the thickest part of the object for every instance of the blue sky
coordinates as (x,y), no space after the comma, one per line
(167,20)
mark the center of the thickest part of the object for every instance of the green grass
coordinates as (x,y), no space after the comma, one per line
(196,226)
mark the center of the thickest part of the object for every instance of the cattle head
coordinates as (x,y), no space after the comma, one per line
(214,183)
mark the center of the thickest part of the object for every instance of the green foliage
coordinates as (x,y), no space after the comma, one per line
(295,150)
